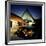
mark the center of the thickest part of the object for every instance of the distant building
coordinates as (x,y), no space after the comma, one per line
(28,17)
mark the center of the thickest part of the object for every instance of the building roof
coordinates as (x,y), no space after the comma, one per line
(16,18)
(27,15)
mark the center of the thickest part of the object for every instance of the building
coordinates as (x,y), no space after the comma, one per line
(28,17)
(16,23)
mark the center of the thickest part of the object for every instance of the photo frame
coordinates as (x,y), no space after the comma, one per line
(10,9)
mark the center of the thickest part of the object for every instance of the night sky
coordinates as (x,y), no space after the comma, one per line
(36,11)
